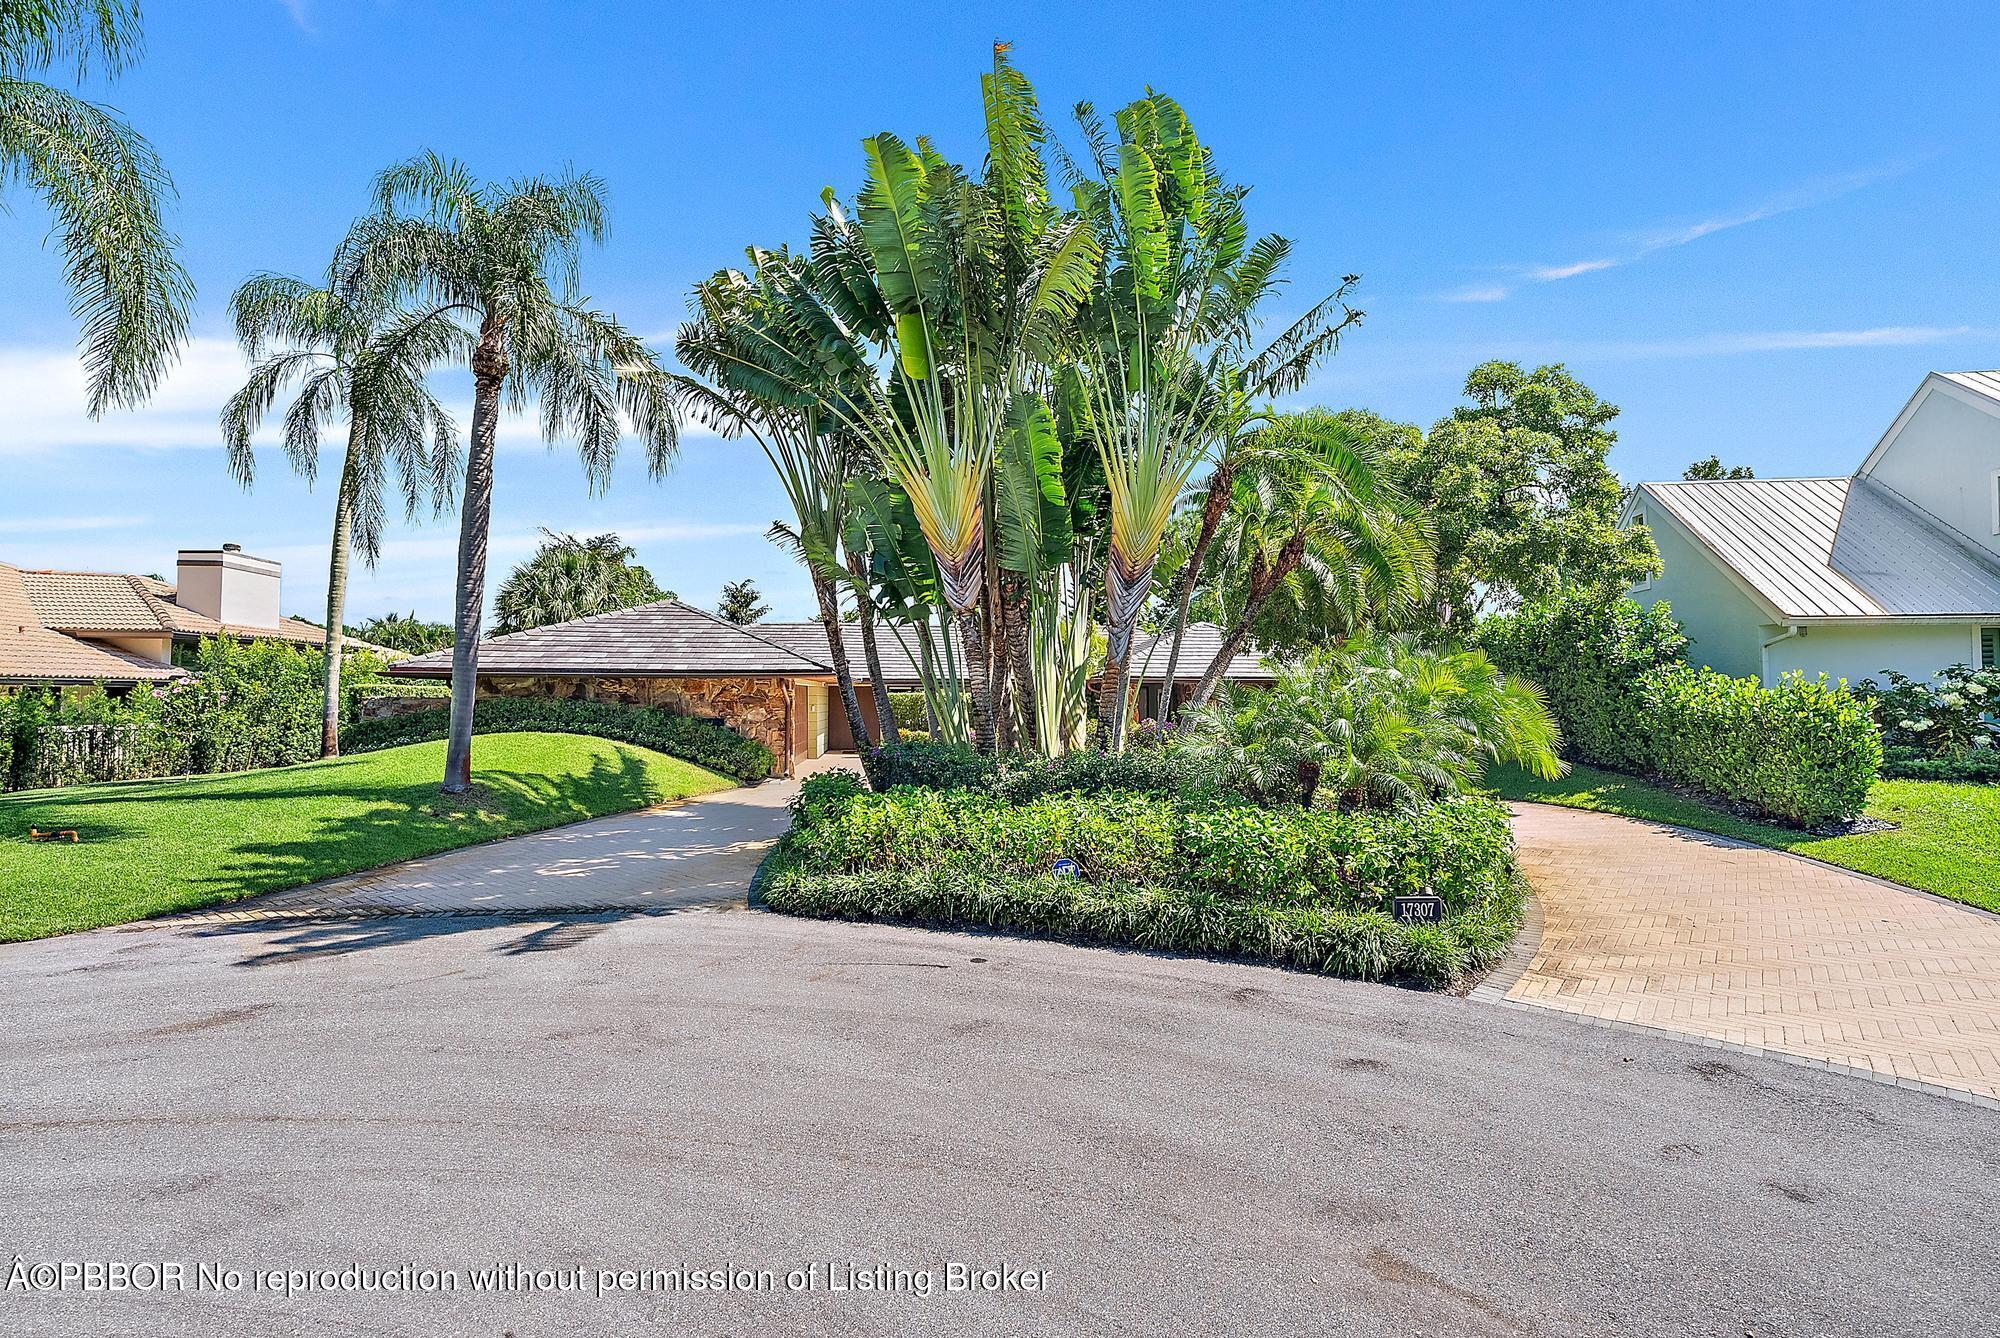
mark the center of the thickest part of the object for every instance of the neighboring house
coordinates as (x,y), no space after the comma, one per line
(81,627)
(773,682)
(1200,644)
(1896,567)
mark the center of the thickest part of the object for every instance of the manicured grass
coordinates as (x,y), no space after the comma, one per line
(1947,838)
(149,847)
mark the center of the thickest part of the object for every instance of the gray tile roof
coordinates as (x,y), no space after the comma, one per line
(899,665)
(1835,548)
(668,639)
(1199,646)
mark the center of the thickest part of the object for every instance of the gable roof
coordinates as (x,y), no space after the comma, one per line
(899,666)
(667,639)
(1981,390)
(1834,548)
(84,603)
(33,652)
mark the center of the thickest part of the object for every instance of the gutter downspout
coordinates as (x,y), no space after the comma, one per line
(1792,631)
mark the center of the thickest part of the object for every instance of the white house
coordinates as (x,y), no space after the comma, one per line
(1895,567)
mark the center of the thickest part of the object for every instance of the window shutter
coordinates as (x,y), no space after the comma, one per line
(1989,648)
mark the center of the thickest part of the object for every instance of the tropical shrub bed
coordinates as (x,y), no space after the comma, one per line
(706,743)
(1309,888)
(1804,752)
(1946,729)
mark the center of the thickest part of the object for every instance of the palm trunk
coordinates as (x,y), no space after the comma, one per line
(1124,595)
(972,636)
(1016,656)
(489,373)
(336,603)
(885,716)
(1263,582)
(836,644)
(1220,483)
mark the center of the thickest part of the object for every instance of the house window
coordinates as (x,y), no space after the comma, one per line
(1989,648)
(1993,494)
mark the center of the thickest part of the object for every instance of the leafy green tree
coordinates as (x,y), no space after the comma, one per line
(104,186)
(1712,468)
(570,578)
(1519,490)
(742,604)
(405,632)
(353,361)
(502,261)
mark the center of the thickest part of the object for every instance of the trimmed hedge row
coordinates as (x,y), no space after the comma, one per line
(1362,945)
(1306,888)
(1972,765)
(705,743)
(1156,770)
(1805,751)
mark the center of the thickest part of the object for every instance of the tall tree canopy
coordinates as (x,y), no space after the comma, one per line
(569,577)
(742,603)
(1712,468)
(103,185)
(1519,491)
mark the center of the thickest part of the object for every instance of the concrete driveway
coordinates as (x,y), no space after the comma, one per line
(1173,1145)
(687,854)
(1740,945)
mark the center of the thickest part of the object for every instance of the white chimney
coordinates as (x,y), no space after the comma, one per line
(228,585)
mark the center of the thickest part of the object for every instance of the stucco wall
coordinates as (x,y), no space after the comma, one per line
(1725,627)
(758,708)
(1854,653)
(1943,460)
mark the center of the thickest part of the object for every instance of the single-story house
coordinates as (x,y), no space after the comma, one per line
(1895,567)
(82,627)
(1200,644)
(771,681)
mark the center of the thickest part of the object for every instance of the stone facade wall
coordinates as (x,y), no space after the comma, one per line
(757,708)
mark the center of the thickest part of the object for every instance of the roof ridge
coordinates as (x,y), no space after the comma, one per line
(1949,533)
(744,629)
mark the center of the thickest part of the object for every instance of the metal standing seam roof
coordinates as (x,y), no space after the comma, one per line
(32,652)
(667,639)
(1980,383)
(1835,548)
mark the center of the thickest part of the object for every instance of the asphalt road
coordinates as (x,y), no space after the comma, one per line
(1167,1145)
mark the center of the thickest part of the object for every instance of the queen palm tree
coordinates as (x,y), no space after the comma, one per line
(502,260)
(350,359)
(104,186)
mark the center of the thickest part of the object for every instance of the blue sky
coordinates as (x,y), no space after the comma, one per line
(1754,231)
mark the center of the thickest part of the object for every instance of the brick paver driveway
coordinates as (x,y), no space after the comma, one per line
(695,853)
(1667,928)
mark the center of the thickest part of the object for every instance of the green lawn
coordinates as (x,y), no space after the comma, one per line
(149,847)
(1947,838)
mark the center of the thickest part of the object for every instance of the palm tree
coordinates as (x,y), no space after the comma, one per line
(570,578)
(1307,500)
(502,260)
(351,359)
(742,603)
(407,633)
(104,186)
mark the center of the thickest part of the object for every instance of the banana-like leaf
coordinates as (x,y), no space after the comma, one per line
(1145,223)
(1033,518)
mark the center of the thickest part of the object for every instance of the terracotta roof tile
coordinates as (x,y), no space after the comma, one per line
(31,652)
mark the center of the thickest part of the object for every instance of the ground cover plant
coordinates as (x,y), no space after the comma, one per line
(1309,888)
(150,847)
(1941,840)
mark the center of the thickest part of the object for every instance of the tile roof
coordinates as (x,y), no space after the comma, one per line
(1835,548)
(667,639)
(1200,644)
(899,665)
(32,652)
(84,602)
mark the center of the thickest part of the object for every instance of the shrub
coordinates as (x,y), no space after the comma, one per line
(1951,715)
(706,743)
(934,766)
(356,695)
(824,795)
(1590,657)
(1166,769)
(1976,765)
(1805,751)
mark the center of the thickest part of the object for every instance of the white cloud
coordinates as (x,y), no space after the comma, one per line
(43,389)
(301,12)
(1668,236)
(1783,341)
(67,524)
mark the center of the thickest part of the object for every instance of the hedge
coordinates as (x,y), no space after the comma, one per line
(1307,888)
(706,743)
(1971,765)
(1805,751)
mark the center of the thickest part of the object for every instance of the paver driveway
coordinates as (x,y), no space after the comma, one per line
(1663,927)
(658,859)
